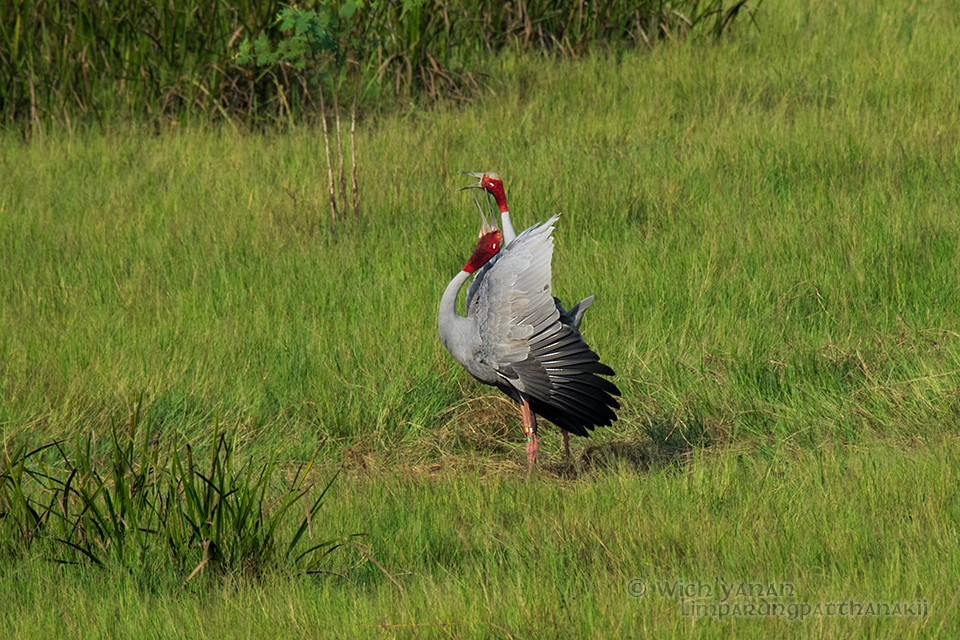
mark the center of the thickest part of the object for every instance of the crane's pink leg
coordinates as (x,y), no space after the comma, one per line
(566,445)
(530,429)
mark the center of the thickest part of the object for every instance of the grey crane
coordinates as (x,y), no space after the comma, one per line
(512,336)
(492,184)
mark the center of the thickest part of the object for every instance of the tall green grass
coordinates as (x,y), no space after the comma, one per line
(69,64)
(160,509)
(475,555)
(772,247)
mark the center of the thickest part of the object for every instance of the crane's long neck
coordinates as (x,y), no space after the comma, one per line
(454,328)
(505,225)
(508,233)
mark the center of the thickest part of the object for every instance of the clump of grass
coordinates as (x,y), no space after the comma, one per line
(143,504)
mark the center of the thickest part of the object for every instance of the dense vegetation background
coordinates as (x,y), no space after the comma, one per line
(82,61)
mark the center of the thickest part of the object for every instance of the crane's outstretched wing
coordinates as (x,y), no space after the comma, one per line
(572,317)
(534,354)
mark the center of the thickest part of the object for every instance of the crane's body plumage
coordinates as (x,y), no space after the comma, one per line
(517,337)
(571,318)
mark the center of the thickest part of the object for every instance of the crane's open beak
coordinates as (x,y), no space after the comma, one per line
(474,174)
(486,225)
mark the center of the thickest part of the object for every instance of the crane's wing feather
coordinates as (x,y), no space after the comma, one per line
(478,277)
(512,301)
(535,354)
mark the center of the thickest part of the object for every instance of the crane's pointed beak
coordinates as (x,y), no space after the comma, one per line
(486,226)
(474,174)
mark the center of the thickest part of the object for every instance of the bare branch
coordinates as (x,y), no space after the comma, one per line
(326,147)
(341,175)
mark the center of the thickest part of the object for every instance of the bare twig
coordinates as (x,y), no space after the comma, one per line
(341,174)
(326,147)
(203,563)
(353,158)
(383,569)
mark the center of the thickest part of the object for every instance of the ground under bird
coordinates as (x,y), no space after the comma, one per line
(491,183)
(512,336)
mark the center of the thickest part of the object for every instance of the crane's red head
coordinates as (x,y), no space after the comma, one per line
(492,184)
(487,246)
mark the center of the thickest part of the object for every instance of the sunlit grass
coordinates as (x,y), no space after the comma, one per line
(488,555)
(772,243)
(768,223)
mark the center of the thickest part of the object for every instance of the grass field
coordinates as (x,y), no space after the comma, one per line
(769,224)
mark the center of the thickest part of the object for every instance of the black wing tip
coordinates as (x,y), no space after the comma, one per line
(579,414)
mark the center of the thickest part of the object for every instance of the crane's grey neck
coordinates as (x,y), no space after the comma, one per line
(508,233)
(455,329)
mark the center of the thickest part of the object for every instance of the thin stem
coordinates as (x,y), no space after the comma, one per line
(341,175)
(353,157)
(326,147)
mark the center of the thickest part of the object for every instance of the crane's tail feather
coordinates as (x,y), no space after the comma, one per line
(574,316)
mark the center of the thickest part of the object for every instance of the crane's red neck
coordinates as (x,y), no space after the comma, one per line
(487,246)
(494,186)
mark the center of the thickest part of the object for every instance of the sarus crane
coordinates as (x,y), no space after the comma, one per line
(516,336)
(492,184)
